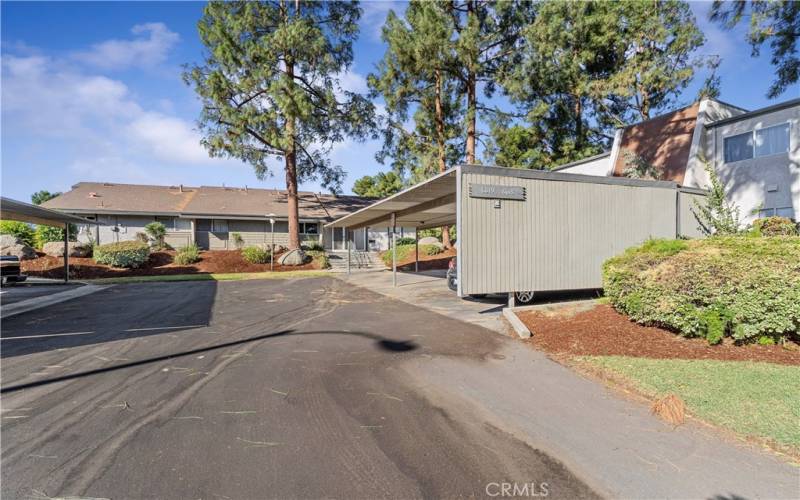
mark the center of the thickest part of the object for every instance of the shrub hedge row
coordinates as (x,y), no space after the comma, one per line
(744,287)
(123,254)
(407,251)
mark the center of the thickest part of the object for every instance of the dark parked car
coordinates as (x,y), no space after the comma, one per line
(9,270)
(452,283)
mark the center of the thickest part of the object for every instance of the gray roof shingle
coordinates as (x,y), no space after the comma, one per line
(100,197)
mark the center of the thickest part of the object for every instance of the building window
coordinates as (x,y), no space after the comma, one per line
(169,222)
(787,212)
(757,143)
(739,147)
(772,140)
(309,228)
(219,226)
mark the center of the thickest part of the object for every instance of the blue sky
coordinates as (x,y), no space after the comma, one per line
(92,92)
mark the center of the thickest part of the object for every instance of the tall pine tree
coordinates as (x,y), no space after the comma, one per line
(414,78)
(269,88)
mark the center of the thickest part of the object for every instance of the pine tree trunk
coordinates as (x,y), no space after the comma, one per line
(440,143)
(291,171)
(472,103)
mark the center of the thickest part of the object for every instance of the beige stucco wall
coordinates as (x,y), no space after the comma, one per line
(768,182)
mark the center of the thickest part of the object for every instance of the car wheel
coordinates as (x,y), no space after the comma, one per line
(524,297)
(452,283)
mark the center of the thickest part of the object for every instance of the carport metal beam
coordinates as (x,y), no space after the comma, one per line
(422,207)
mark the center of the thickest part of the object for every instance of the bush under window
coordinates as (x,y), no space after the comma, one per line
(130,254)
(255,255)
(187,255)
(775,226)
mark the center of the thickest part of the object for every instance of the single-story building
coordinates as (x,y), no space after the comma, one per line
(532,230)
(756,154)
(210,216)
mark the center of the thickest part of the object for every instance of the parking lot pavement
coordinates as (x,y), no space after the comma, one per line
(16,293)
(250,389)
(428,289)
(315,388)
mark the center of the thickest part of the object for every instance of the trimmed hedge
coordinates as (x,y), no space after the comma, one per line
(123,254)
(407,251)
(775,226)
(313,246)
(320,257)
(255,255)
(744,287)
(187,255)
(405,240)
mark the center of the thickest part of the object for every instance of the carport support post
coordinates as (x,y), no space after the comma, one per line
(394,249)
(511,301)
(347,242)
(66,252)
(416,250)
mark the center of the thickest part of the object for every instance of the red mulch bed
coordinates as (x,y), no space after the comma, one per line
(602,331)
(160,263)
(428,262)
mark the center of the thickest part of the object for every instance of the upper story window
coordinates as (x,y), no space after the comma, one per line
(772,140)
(757,143)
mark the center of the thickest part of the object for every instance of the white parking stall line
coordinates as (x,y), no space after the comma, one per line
(163,328)
(45,336)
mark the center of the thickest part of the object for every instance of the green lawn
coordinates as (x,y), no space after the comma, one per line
(213,276)
(752,399)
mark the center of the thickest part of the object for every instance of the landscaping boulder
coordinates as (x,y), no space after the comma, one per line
(56,249)
(10,245)
(295,257)
(6,240)
(431,240)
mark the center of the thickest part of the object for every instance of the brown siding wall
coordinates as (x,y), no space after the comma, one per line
(664,142)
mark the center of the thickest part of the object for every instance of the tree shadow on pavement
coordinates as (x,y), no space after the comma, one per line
(382,343)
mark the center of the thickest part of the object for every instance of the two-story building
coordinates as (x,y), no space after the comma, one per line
(756,154)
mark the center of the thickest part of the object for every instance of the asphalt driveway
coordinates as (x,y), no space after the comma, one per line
(252,389)
(316,388)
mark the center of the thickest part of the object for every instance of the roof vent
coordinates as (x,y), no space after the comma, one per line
(180,187)
(92,195)
(107,184)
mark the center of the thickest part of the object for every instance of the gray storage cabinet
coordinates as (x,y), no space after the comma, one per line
(559,235)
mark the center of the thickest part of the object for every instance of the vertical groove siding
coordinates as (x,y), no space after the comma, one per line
(559,237)
(687,222)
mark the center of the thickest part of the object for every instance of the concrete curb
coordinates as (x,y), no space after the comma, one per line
(516,323)
(49,300)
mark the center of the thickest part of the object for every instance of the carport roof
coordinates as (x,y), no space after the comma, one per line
(428,204)
(25,212)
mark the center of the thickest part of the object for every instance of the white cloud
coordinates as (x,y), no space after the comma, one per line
(149,48)
(169,138)
(353,82)
(49,100)
(374,15)
(107,129)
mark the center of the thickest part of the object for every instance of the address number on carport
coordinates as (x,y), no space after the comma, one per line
(495,192)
